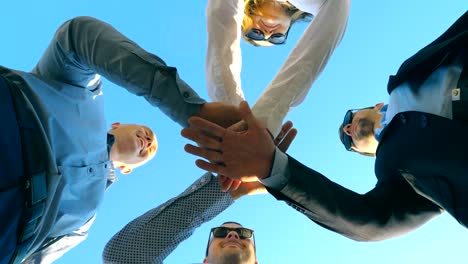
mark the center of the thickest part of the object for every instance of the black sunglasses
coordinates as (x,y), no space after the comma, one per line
(346,139)
(221,232)
(258,35)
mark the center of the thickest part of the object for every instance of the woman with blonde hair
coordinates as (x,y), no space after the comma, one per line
(266,23)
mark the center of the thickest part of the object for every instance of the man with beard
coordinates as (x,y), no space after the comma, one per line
(419,141)
(230,243)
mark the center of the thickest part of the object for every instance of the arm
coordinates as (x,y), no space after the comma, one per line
(223,58)
(151,237)
(85,48)
(54,248)
(304,64)
(388,210)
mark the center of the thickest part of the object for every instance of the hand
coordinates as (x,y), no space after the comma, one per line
(282,141)
(222,114)
(285,136)
(245,188)
(245,155)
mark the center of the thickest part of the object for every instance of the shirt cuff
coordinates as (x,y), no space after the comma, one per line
(279,175)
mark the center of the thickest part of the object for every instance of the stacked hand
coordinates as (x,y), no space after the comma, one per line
(237,156)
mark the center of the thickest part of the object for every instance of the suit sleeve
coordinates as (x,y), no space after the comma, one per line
(388,210)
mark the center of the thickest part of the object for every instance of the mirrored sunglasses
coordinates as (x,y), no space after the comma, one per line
(258,35)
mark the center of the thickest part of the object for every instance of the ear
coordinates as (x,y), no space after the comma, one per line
(125,169)
(115,125)
(205,260)
(346,130)
(379,106)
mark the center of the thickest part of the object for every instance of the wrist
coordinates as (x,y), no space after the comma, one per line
(268,165)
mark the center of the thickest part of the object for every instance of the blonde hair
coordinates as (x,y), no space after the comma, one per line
(250,9)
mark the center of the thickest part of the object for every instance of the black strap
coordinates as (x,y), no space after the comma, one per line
(34,168)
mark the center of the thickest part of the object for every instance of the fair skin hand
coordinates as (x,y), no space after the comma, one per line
(222,114)
(245,156)
(238,189)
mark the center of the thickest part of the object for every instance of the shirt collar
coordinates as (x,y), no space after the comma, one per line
(110,142)
(383,122)
(112,177)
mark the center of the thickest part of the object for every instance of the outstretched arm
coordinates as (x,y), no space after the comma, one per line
(223,56)
(304,64)
(151,237)
(85,48)
(388,210)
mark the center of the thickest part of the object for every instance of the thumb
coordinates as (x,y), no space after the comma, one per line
(247,115)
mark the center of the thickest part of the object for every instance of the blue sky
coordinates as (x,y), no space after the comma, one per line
(380,35)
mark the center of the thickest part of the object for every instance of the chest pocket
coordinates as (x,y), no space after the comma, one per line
(81,195)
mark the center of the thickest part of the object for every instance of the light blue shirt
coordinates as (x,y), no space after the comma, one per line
(433,97)
(65,91)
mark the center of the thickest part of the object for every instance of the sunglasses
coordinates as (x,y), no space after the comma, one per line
(222,232)
(258,35)
(346,139)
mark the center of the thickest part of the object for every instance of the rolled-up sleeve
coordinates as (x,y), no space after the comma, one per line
(85,48)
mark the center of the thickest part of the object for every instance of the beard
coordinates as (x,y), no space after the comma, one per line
(234,258)
(366,128)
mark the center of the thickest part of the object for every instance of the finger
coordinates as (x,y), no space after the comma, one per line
(247,115)
(221,179)
(201,138)
(235,185)
(288,139)
(206,126)
(284,131)
(211,167)
(226,184)
(239,126)
(213,156)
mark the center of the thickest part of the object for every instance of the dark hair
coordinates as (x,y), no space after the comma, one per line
(341,135)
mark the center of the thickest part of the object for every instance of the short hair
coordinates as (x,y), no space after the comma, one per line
(341,135)
(250,6)
(231,222)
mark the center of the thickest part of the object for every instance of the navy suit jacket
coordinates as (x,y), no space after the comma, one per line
(421,164)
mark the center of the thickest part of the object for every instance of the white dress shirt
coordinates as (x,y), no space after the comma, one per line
(303,65)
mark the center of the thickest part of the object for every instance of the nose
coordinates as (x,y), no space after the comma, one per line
(233,235)
(149,141)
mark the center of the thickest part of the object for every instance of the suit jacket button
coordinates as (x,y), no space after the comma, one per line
(423,121)
(403,119)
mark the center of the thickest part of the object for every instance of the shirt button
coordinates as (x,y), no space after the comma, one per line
(105,166)
(194,187)
(202,180)
(186,94)
(90,170)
